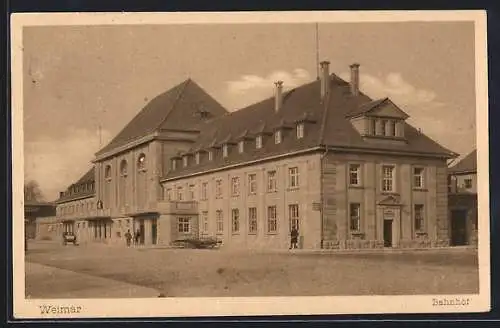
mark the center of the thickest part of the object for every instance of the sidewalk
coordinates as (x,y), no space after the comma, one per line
(49,282)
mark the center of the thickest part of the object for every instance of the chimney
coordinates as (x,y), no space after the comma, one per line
(354,79)
(278,95)
(325,78)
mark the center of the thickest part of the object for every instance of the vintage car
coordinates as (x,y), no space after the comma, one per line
(69,237)
(197,242)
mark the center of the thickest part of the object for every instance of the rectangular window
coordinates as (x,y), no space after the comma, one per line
(293,177)
(197,156)
(204,190)
(179,194)
(354,175)
(354,215)
(174,164)
(204,220)
(418,177)
(300,130)
(218,188)
(393,128)
(225,150)
(219,220)
(184,226)
(252,184)
(419,217)
(191,192)
(277,137)
(293,214)
(468,183)
(185,160)
(272,220)
(210,155)
(252,220)
(388,178)
(241,146)
(271,181)
(235,219)
(258,142)
(235,186)
(383,127)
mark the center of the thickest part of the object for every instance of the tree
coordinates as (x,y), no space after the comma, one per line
(32,192)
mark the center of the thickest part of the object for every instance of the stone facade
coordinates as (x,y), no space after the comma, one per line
(253,203)
(377,206)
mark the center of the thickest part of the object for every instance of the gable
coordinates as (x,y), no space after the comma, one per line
(390,201)
(388,109)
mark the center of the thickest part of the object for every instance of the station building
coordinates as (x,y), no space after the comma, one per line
(348,171)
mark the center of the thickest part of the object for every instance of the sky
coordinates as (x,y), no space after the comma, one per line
(77,78)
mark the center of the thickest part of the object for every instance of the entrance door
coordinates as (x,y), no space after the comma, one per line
(141,231)
(154,231)
(458,227)
(387,233)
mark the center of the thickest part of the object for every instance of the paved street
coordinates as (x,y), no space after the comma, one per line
(102,271)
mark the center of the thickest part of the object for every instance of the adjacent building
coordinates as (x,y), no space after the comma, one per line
(463,211)
(34,211)
(348,171)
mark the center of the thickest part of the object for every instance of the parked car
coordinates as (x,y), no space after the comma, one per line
(197,242)
(69,237)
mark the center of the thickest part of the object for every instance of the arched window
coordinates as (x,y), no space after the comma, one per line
(141,162)
(107,172)
(123,168)
(142,186)
(123,183)
(107,187)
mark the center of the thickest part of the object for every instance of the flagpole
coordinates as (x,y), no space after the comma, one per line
(317,51)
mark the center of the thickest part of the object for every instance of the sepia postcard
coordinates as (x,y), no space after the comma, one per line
(264,163)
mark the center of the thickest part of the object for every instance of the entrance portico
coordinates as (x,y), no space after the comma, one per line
(389,221)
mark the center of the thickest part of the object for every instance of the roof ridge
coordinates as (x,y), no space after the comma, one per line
(186,82)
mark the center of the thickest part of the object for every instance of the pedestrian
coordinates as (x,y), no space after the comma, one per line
(128,237)
(137,237)
(294,234)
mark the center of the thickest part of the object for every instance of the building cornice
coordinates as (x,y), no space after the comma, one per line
(58,202)
(138,142)
(308,150)
(231,166)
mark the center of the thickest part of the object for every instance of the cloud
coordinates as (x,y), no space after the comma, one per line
(394,86)
(252,88)
(441,121)
(56,163)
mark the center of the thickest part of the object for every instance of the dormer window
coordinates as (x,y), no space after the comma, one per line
(225,150)
(258,142)
(379,118)
(277,137)
(392,128)
(241,146)
(300,130)
(383,127)
(197,158)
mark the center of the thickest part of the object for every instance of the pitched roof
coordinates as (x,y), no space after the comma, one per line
(467,164)
(87,178)
(180,108)
(328,126)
